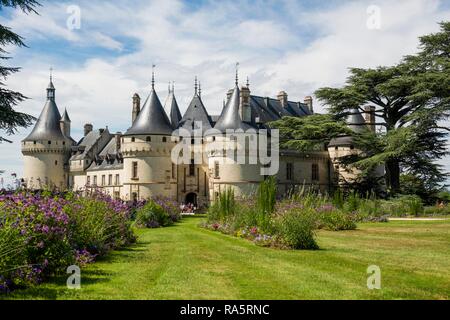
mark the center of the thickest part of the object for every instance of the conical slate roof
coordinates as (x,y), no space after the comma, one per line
(152,119)
(47,126)
(172,110)
(356,121)
(196,112)
(230,119)
(65,117)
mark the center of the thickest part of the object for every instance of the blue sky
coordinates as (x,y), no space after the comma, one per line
(296,46)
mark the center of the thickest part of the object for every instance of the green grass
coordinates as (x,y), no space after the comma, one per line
(188,262)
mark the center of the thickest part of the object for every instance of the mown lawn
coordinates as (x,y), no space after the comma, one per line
(188,262)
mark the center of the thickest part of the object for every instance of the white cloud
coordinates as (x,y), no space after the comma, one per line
(282,46)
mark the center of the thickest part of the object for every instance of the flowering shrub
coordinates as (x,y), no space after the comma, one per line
(43,234)
(98,223)
(170,206)
(297,229)
(158,212)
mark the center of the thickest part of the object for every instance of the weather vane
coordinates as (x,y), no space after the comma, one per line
(153,76)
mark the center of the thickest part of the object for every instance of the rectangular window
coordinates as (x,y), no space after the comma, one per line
(117,179)
(315,172)
(110,181)
(192,168)
(103,180)
(174,168)
(117,195)
(95,181)
(289,171)
(88,182)
(216,170)
(134,170)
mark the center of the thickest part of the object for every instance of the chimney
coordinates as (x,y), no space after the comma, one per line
(246,112)
(118,137)
(136,107)
(283,98)
(88,128)
(370,117)
(309,102)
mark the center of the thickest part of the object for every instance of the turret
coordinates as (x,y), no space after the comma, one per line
(232,150)
(343,146)
(172,109)
(146,150)
(65,124)
(46,149)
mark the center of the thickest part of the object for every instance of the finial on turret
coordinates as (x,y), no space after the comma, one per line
(153,76)
(51,87)
(195,86)
(237,73)
(248,83)
(199,89)
(173,86)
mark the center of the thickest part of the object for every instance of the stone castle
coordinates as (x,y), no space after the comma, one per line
(137,164)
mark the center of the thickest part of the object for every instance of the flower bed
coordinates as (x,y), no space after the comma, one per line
(41,234)
(158,212)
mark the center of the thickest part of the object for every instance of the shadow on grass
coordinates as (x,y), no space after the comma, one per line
(56,286)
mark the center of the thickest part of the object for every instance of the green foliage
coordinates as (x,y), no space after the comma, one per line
(411,100)
(312,133)
(10,119)
(444,196)
(266,200)
(152,215)
(266,196)
(297,229)
(337,220)
(42,234)
(96,228)
(224,207)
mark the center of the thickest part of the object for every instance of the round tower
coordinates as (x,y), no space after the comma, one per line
(343,146)
(233,152)
(47,149)
(146,149)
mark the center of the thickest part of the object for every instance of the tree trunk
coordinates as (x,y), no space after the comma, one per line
(393,176)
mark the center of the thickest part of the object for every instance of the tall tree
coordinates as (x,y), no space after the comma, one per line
(311,133)
(10,119)
(411,102)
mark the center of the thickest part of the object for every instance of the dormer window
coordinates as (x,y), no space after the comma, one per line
(133,139)
(164,139)
(148,139)
(49,142)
